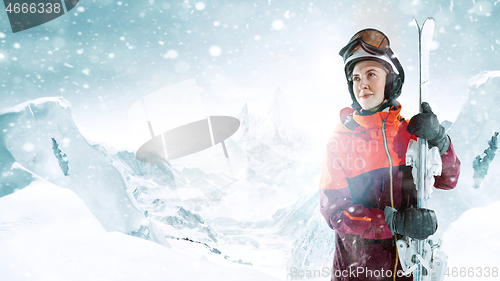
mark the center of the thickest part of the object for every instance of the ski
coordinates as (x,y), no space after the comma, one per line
(422,258)
(425,35)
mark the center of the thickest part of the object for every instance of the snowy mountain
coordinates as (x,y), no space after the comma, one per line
(470,133)
(275,146)
(275,127)
(172,198)
(314,241)
(478,119)
(29,133)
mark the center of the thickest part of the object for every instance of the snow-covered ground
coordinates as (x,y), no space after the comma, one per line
(48,233)
(472,245)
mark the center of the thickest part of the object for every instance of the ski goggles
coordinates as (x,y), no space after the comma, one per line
(374,43)
(371,40)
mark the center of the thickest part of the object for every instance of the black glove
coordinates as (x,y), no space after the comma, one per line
(413,222)
(426,125)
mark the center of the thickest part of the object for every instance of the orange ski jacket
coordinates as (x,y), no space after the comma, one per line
(364,171)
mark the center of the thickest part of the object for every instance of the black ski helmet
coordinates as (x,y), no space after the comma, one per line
(372,44)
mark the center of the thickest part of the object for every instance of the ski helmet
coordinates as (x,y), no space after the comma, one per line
(372,44)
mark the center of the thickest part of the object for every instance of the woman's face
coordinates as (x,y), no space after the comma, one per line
(369,84)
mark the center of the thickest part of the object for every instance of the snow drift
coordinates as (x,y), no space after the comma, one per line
(49,233)
(472,244)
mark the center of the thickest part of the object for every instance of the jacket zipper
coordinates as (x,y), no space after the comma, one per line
(386,147)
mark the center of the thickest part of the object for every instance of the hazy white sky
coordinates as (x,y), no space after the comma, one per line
(104,56)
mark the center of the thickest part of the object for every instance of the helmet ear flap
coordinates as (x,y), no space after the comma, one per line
(397,85)
(393,86)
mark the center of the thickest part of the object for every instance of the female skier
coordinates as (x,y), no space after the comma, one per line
(367,194)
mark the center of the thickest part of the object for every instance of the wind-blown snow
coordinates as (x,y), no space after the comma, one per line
(48,233)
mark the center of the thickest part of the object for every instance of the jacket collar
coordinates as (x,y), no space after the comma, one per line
(351,120)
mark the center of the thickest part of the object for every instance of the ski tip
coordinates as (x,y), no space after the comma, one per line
(429,19)
(429,24)
(415,23)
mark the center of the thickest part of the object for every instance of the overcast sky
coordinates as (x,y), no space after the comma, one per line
(103,56)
